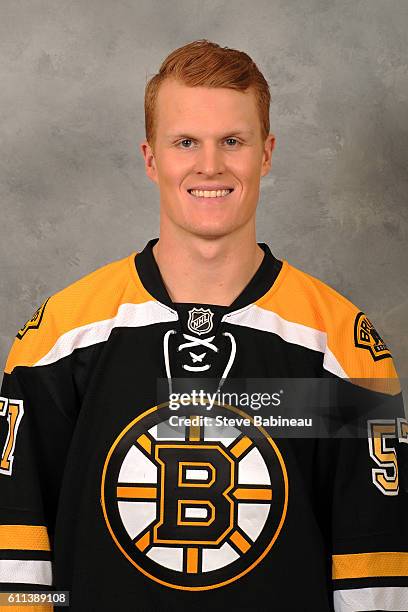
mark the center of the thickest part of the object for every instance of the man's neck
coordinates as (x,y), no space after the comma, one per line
(197,270)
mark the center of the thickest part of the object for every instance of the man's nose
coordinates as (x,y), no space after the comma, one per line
(210,159)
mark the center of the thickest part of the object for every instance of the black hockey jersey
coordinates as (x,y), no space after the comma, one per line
(133,502)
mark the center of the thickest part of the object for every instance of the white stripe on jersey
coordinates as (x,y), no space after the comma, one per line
(374,598)
(265,320)
(128,315)
(20,570)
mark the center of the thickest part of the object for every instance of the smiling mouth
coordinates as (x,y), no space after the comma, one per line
(214,193)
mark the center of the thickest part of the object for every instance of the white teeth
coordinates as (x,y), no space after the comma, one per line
(210,194)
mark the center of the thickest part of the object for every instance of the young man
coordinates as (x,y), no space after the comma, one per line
(130,503)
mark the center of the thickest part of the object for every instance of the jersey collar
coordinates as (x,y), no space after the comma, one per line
(263,279)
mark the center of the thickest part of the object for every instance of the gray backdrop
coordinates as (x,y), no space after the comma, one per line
(74,195)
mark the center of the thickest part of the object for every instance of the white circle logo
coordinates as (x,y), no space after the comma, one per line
(193,507)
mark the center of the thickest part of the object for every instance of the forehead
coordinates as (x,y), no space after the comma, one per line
(180,107)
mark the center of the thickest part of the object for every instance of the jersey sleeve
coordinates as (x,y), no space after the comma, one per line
(38,407)
(369,501)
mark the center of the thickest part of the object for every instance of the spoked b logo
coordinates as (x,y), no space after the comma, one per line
(195,507)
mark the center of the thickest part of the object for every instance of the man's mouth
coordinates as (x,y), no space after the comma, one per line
(213,193)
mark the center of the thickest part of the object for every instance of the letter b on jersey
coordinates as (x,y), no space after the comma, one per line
(194,502)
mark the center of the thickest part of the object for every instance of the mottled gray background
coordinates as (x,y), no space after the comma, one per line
(73,191)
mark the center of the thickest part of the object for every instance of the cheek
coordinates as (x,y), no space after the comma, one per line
(175,176)
(173,171)
(247,170)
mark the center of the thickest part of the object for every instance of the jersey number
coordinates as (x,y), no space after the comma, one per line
(385,477)
(14,411)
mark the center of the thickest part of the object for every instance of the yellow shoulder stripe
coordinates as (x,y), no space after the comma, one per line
(304,299)
(94,297)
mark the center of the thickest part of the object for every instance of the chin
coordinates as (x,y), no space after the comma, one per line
(211,231)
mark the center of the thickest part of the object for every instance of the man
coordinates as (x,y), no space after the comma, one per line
(132,503)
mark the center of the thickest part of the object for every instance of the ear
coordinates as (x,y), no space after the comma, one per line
(267,154)
(150,162)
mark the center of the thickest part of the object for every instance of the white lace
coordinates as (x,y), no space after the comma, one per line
(192,342)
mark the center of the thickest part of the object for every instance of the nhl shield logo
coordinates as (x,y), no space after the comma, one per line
(200,320)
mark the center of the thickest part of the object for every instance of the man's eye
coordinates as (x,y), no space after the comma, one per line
(188,140)
(234,141)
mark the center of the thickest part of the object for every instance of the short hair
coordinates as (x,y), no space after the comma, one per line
(207,64)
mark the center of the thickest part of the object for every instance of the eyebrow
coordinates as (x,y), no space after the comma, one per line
(173,135)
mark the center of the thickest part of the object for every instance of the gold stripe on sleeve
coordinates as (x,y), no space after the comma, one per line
(369,565)
(24,537)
